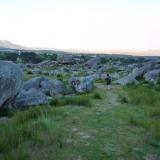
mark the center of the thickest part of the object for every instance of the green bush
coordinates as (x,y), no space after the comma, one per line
(155,112)
(29,72)
(96,95)
(123,99)
(6,112)
(112,70)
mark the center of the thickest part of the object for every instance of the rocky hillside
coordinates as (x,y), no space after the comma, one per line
(62,109)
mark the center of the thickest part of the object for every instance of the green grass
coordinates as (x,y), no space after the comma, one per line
(112,70)
(6,112)
(105,131)
(147,99)
(141,95)
(74,100)
(96,95)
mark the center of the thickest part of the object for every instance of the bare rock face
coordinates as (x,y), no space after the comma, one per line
(10,81)
(29,98)
(82,84)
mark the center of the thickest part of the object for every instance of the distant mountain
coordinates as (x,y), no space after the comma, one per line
(6,45)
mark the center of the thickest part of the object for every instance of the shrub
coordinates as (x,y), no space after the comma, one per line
(112,70)
(29,72)
(155,112)
(123,99)
(96,95)
(30,57)
(6,112)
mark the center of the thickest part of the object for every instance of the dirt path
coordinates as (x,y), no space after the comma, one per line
(111,96)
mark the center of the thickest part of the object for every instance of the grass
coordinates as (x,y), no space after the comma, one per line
(140,95)
(6,112)
(96,95)
(112,70)
(104,131)
(75,100)
(147,99)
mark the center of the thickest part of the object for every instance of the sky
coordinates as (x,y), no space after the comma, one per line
(82,24)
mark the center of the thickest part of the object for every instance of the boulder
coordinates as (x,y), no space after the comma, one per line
(152,76)
(10,81)
(126,80)
(45,85)
(66,59)
(30,97)
(47,63)
(57,87)
(131,78)
(93,62)
(96,76)
(36,71)
(82,84)
(60,71)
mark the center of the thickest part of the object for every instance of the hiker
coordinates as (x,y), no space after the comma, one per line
(108,81)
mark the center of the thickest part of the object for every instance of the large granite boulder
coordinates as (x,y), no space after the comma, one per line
(66,59)
(93,62)
(82,84)
(10,81)
(61,71)
(131,78)
(30,97)
(57,87)
(36,71)
(126,80)
(153,75)
(45,85)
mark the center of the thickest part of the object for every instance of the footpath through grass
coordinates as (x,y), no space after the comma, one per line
(119,124)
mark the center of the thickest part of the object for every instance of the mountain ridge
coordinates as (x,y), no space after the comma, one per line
(7,45)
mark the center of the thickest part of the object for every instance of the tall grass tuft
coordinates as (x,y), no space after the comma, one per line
(140,95)
(77,100)
(7,112)
(96,95)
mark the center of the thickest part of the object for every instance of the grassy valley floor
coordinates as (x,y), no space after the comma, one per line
(120,124)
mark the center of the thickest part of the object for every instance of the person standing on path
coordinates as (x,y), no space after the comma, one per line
(108,81)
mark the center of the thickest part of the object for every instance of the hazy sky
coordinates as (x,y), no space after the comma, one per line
(82,24)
